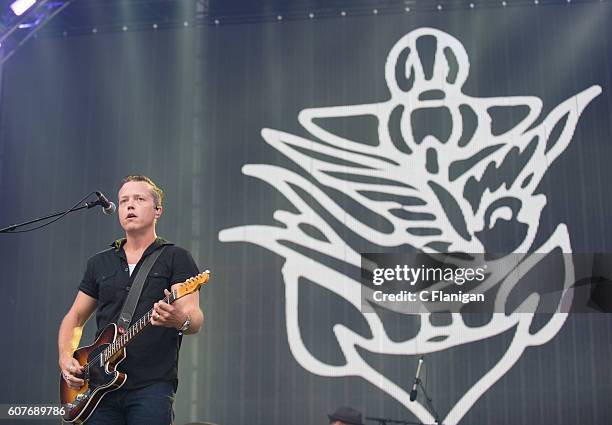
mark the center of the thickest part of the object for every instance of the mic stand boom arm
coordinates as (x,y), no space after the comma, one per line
(13,227)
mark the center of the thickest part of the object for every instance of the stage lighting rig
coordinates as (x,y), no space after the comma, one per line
(20,6)
(22,19)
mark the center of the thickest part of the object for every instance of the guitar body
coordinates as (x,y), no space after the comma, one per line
(99,378)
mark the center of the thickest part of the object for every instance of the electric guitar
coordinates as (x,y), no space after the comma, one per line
(100,360)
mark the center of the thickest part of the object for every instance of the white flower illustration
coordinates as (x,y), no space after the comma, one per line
(443,193)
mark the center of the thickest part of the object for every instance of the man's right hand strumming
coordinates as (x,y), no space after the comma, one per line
(69,336)
(71,370)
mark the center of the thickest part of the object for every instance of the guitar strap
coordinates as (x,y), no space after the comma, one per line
(125,318)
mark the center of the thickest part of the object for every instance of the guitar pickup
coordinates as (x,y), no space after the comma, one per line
(84,375)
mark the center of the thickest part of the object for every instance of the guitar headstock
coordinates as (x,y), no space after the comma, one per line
(191,285)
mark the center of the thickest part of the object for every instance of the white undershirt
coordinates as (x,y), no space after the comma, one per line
(132,267)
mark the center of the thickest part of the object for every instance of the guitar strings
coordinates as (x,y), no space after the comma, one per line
(97,358)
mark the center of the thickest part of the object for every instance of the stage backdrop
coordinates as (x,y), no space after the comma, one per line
(286,149)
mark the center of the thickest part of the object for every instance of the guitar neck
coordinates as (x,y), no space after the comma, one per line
(132,331)
(188,287)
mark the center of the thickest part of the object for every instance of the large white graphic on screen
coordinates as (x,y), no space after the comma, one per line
(437,193)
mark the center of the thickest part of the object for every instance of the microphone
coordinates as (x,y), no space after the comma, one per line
(108,207)
(413,393)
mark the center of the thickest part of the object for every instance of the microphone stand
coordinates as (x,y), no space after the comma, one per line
(385,421)
(429,403)
(13,227)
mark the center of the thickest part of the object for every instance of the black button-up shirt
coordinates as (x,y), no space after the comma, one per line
(152,356)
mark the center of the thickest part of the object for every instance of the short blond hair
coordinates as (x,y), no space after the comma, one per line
(156,191)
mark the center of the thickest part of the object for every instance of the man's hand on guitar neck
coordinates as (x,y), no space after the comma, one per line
(168,315)
(71,370)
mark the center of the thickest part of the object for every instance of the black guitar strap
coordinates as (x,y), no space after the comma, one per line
(125,318)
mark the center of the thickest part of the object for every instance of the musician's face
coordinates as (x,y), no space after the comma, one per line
(137,210)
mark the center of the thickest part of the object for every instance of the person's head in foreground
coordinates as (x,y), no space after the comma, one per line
(345,416)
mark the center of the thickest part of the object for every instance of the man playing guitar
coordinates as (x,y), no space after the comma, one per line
(151,363)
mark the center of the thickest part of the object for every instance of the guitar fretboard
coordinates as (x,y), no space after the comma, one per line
(132,331)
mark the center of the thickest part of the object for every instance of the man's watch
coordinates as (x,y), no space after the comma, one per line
(186,324)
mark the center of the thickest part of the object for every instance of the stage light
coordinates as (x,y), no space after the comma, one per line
(20,6)
(311,15)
